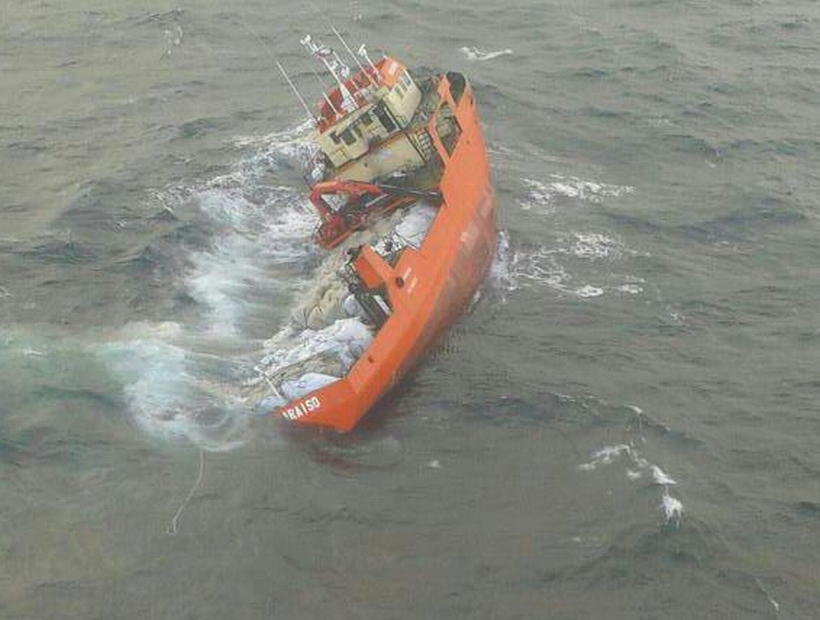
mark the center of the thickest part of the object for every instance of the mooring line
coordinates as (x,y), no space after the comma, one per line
(172,530)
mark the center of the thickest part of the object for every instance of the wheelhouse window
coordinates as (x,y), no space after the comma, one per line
(348,137)
(384,118)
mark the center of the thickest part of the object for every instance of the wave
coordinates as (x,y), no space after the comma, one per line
(637,468)
(475,54)
(521,267)
(542,194)
(182,381)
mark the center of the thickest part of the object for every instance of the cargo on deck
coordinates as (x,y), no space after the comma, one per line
(401,184)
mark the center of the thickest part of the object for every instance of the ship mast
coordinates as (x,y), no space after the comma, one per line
(353,56)
(296,92)
(362,51)
(337,68)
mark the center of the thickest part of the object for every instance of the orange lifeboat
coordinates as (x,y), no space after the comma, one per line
(380,159)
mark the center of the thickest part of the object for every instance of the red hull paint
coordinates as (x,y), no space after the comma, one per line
(428,288)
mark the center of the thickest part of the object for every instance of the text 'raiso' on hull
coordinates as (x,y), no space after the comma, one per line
(401,184)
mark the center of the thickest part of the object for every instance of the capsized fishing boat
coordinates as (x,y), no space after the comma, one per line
(401,184)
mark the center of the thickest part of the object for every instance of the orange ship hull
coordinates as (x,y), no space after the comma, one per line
(428,288)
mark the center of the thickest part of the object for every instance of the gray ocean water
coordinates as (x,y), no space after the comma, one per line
(625,425)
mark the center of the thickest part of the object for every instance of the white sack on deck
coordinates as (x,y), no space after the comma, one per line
(296,388)
(346,339)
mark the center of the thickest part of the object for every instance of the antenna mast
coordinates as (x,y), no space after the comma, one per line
(296,92)
(335,66)
(324,87)
(363,53)
(353,56)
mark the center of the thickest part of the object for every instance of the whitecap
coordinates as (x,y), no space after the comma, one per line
(605,456)
(475,54)
(254,235)
(169,397)
(661,477)
(594,246)
(501,278)
(542,194)
(637,466)
(176,381)
(671,508)
(589,291)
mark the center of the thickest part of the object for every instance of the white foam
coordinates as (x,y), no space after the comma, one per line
(661,477)
(475,54)
(594,246)
(542,194)
(29,352)
(538,195)
(501,277)
(515,269)
(589,291)
(545,265)
(167,370)
(775,605)
(286,140)
(540,266)
(274,228)
(218,279)
(636,467)
(166,400)
(671,508)
(286,237)
(605,456)
(227,205)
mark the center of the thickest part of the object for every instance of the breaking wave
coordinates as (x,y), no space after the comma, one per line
(172,393)
(475,54)
(638,468)
(259,274)
(543,194)
(205,381)
(553,264)
(183,382)
(516,268)
(256,239)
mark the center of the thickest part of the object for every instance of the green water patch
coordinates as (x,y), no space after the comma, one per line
(60,406)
